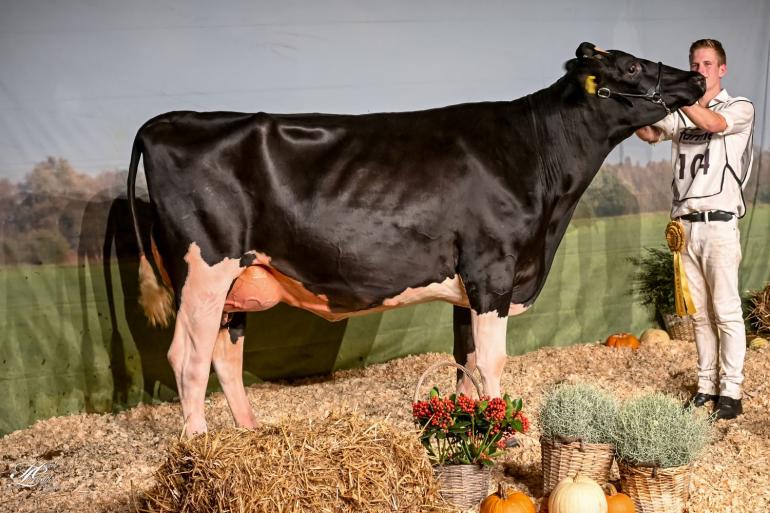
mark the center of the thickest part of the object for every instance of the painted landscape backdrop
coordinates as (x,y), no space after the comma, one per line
(78,78)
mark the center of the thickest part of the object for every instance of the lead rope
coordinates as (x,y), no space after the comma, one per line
(682,296)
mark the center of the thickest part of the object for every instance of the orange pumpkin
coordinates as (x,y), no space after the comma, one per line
(618,502)
(501,502)
(623,339)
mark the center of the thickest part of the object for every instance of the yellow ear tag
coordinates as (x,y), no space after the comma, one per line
(590,84)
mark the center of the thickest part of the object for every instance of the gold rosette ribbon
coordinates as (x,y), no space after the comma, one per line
(682,297)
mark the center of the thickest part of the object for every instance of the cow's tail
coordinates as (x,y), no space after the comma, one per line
(156,299)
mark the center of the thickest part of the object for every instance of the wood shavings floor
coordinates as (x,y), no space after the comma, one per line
(100,459)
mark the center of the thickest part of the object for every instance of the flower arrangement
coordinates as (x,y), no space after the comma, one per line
(579,410)
(655,430)
(458,430)
(577,423)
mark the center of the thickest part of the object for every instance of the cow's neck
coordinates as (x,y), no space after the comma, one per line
(577,136)
(572,141)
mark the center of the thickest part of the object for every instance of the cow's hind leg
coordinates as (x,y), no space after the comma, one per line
(195,333)
(464,349)
(228,364)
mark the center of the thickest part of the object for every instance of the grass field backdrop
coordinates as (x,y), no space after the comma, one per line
(68,344)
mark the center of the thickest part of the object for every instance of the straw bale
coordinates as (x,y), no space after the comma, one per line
(341,463)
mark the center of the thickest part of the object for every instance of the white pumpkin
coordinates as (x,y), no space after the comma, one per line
(654,336)
(757,343)
(577,494)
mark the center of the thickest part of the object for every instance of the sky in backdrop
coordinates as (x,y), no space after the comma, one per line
(79,77)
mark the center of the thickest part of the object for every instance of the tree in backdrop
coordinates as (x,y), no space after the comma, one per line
(42,223)
(631,188)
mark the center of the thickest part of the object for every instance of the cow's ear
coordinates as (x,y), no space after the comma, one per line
(589,82)
(570,65)
(585,66)
(590,51)
(587,74)
(585,50)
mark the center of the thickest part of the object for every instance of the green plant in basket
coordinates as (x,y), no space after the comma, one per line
(653,281)
(579,411)
(459,430)
(654,430)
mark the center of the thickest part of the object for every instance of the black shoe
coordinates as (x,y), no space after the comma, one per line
(700,399)
(728,408)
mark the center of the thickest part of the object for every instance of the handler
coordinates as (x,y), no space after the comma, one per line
(711,155)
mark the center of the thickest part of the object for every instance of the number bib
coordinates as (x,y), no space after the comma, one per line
(700,169)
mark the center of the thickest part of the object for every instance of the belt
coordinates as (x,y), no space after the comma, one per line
(712,215)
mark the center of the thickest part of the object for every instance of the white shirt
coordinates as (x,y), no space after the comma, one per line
(711,169)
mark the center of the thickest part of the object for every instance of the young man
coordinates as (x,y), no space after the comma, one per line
(711,157)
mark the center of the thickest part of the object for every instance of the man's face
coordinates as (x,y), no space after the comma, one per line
(706,62)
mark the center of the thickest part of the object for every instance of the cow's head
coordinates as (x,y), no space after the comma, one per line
(646,90)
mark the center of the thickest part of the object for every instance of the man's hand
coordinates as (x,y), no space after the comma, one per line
(650,134)
(705,119)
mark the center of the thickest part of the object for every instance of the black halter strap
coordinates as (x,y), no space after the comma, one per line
(653,94)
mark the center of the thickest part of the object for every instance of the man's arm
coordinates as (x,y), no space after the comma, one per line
(650,134)
(705,119)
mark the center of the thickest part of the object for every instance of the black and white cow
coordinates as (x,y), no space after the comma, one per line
(348,214)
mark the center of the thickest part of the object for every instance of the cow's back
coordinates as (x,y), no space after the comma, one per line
(356,208)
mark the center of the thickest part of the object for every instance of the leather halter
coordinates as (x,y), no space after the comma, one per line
(653,94)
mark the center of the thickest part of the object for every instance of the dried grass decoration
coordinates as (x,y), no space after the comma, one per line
(657,442)
(342,463)
(759,315)
(577,422)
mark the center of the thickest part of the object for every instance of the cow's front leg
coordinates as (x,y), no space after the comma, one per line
(228,364)
(195,332)
(464,350)
(489,339)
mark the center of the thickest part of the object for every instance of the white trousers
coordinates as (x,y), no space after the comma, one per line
(711,259)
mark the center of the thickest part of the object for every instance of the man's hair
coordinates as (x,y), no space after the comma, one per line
(710,43)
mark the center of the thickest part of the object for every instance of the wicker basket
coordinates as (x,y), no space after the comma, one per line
(462,485)
(564,458)
(680,328)
(656,490)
